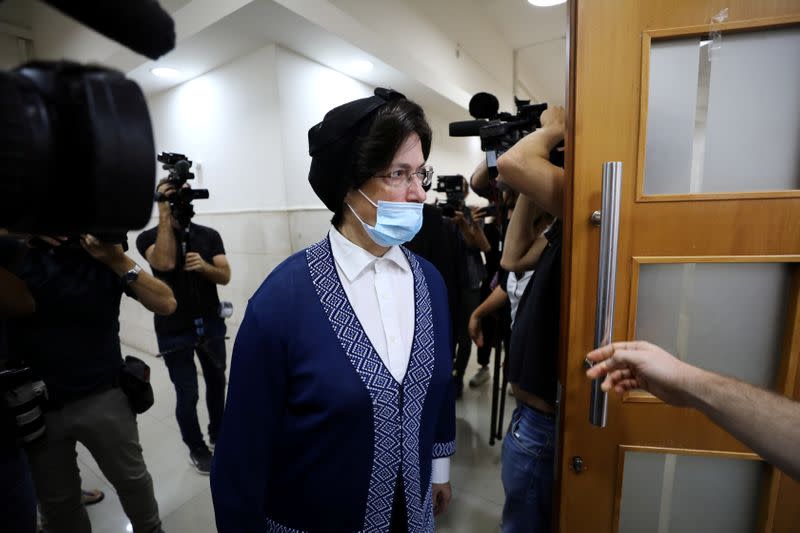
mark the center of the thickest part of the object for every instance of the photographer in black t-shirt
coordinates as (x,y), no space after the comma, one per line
(196,326)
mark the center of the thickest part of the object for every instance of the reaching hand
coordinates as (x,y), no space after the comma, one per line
(641,365)
(475,330)
(195,263)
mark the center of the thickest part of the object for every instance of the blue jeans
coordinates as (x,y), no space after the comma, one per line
(527,471)
(17,496)
(183,373)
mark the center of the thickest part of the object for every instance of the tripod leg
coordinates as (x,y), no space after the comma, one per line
(498,355)
(501,417)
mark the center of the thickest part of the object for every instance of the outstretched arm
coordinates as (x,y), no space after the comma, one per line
(766,422)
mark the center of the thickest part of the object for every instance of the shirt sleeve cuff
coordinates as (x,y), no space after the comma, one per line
(440,471)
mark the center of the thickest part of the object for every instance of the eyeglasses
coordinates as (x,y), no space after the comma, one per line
(402,178)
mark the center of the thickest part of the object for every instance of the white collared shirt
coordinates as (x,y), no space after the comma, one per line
(381,292)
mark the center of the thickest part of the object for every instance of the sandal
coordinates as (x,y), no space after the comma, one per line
(91,497)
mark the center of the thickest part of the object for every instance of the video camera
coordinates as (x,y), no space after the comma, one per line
(180,201)
(77,139)
(453,187)
(500,131)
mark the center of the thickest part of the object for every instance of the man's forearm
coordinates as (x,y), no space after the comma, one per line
(495,301)
(165,250)
(153,294)
(215,274)
(526,168)
(479,181)
(766,422)
(520,235)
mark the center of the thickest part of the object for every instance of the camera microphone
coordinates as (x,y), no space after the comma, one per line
(466,128)
(141,25)
(483,105)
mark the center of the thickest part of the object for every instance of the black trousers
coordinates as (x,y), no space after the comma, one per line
(399,515)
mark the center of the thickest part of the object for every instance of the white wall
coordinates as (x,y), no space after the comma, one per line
(409,30)
(543,70)
(247,123)
(227,120)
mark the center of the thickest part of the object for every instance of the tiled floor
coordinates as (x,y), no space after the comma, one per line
(184,497)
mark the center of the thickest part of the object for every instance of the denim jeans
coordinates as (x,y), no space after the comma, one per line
(527,471)
(183,373)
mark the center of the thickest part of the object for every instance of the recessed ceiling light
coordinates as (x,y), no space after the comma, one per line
(546,3)
(361,66)
(165,72)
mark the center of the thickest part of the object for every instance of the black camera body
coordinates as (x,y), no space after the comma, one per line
(180,201)
(453,187)
(22,399)
(77,139)
(500,131)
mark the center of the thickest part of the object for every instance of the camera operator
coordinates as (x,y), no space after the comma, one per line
(527,469)
(492,325)
(473,276)
(71,342)
(196,326)
(439,242)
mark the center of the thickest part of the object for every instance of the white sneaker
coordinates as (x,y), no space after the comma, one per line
(480,377)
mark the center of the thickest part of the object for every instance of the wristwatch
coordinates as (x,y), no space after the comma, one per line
(131,275)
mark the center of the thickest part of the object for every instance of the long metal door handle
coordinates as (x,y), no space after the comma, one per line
(606,280)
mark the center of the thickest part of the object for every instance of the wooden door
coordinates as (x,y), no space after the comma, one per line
(700,101)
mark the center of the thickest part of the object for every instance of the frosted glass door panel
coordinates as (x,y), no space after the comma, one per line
(724,317)
(668,493)
(724,116)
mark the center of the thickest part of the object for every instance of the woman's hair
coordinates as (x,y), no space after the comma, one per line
(375,150)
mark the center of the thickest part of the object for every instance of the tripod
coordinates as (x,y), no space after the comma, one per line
(201,342)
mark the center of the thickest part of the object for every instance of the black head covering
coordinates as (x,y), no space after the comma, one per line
(331,145)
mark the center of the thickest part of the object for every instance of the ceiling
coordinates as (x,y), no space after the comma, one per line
(516,23)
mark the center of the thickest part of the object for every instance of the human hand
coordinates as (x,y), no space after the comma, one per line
(475,330)
(441,495)
(165,189)
(195,263)
(34,241)
(103,252)
(641,365)
(555,117)
(479,213)
(459,218)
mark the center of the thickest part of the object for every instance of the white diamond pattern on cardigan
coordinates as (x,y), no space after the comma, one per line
(275,527)
(390,424)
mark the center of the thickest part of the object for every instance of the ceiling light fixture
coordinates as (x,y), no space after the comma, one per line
(546,3)
(165,72)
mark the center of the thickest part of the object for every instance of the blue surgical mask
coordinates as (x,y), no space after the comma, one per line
(397,222)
